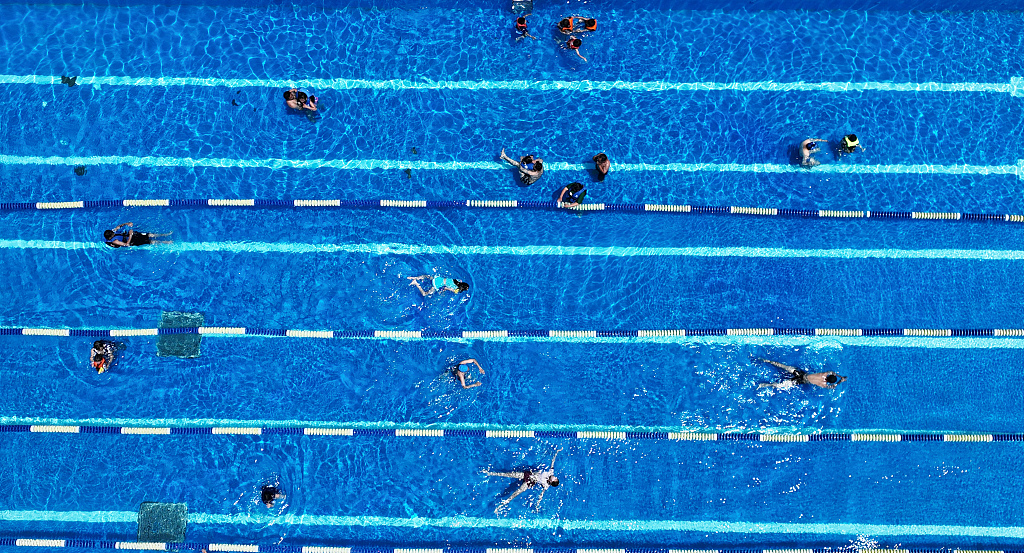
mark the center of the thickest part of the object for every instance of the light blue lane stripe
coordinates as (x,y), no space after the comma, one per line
(375,164)
(539,524)
(586,251)
(582,86)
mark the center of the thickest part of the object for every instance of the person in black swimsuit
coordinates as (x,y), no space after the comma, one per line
(123,239)
(798,377)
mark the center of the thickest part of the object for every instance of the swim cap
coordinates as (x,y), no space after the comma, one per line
(831,379)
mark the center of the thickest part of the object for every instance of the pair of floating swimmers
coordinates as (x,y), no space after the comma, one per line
(798,377)
(543,478)
(124,239)
(300,100)
(532,168)
(809,147)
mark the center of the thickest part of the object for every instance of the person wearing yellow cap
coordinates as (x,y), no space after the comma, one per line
(849,144)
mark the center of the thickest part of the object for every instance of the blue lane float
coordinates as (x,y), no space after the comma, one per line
(524,333)
(521,204)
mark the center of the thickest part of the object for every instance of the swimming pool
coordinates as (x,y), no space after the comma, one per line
(627,338)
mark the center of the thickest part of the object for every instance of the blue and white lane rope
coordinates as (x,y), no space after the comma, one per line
(498,334)
(389,430)
(563,524)
(1014,87)
(520,204)
(397,164)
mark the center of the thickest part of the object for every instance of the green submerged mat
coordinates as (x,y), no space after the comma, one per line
(179,345)
(162,522)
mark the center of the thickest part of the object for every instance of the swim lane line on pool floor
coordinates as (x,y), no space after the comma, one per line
(520,204)
(1015,87)
(395,164)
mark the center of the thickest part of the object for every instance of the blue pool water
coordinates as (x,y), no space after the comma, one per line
(694,105)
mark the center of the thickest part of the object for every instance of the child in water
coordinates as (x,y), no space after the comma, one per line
(102,355)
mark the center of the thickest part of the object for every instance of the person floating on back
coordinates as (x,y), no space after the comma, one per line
(808,148)
(269,494)
(543,478)
(102,355)
(522,29)
(116,239)
(462,373)
(572,195)
(849,144)
(602,165)
(828,379)
(438,284)
(530,168)
(574,44)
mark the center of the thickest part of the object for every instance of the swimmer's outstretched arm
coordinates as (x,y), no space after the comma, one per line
(581,56)
(462,380)
(129,223)
(471,360)
(782,366)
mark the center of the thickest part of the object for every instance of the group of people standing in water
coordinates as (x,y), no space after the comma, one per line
(531,168)
(570,26)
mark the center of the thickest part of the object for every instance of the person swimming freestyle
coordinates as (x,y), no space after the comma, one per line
(462,372)
(798,377)
(116,239)
(438,284)
(808,148)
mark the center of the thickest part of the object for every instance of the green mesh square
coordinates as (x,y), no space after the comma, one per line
(162,522)
(179,345)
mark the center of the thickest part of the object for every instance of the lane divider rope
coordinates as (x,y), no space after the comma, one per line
(388,430)
(520,204)
(278,548)
(484,334)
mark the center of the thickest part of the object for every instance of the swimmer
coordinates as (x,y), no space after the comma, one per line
(528,479)
(269,494)
(462,372)
(572,195)
(116,239)
(530,169)
(522,29)
(565,26)
(829,379)
(849,144)
(808,148)
(102,355)
(438,284)
(299,100)
(589,24)
(574,44)
(602,165)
